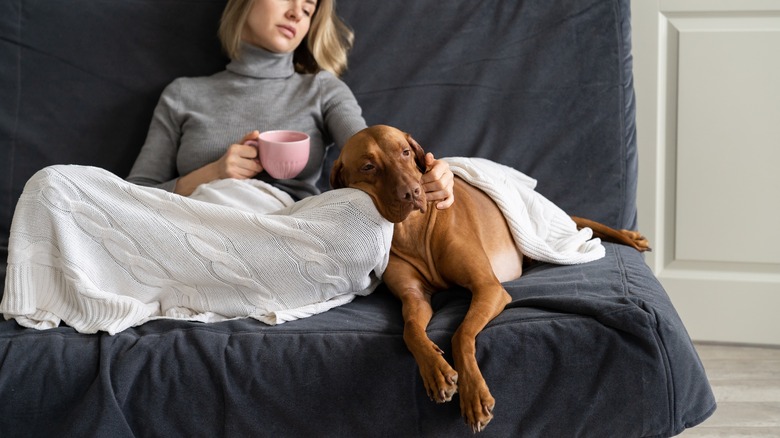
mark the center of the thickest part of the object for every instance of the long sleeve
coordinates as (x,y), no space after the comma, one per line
(341,113)
(156,163)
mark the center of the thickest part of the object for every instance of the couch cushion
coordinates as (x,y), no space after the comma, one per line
(587,350)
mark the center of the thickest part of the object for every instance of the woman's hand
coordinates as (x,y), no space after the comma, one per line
(438,182)
(240,161)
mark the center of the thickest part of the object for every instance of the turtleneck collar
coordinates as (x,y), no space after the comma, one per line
(259,63)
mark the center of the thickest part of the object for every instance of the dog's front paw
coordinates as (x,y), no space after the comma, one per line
(440,380)
(476,405)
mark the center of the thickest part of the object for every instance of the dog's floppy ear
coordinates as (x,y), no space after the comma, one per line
(419,153)
(336,180)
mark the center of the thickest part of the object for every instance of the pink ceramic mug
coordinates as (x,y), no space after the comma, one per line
(283,154)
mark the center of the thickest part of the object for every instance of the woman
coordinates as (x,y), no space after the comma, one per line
(286,57)
(101,253)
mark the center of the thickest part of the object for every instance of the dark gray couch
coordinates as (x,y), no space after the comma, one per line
(594,350)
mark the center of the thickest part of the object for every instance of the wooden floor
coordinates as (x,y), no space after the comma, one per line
(746,383)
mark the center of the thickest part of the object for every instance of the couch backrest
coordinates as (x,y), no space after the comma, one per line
(79,80)
(544,86)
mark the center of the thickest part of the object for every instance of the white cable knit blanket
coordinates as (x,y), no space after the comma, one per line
(100,253)
(541,230)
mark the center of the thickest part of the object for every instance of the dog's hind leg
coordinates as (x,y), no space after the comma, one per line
(633,239)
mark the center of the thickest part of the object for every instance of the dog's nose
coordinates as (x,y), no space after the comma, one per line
(409,192)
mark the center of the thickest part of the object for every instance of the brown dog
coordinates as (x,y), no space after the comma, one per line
(387,164)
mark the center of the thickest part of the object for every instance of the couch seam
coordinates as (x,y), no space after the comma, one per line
(15,127)
(621,119)
(663,352)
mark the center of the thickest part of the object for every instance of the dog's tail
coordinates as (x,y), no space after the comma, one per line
(630,238)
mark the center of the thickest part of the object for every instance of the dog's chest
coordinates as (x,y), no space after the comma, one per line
(412,244)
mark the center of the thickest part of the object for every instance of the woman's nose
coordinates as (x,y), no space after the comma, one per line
(295,12)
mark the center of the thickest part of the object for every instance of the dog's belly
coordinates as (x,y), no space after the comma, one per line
(497,240)
(506,260)
(507,266)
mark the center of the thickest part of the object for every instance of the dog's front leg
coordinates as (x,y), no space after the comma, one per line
(440,380)
(488,299)
(476,402)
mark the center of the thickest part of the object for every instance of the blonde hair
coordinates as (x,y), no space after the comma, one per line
(325,47)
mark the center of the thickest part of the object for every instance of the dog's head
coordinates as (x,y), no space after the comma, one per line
(387,164)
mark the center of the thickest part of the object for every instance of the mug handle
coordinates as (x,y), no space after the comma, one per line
(256,144)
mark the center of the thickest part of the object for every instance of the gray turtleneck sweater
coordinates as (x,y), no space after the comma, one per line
(197,119)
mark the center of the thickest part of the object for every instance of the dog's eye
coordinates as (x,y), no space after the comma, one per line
(407,152)
(368,167)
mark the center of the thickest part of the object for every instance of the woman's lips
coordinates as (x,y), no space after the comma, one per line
(287,31)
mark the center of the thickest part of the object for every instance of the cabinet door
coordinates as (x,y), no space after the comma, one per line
(707,78)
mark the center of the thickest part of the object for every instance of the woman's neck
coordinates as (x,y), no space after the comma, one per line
(257,62)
